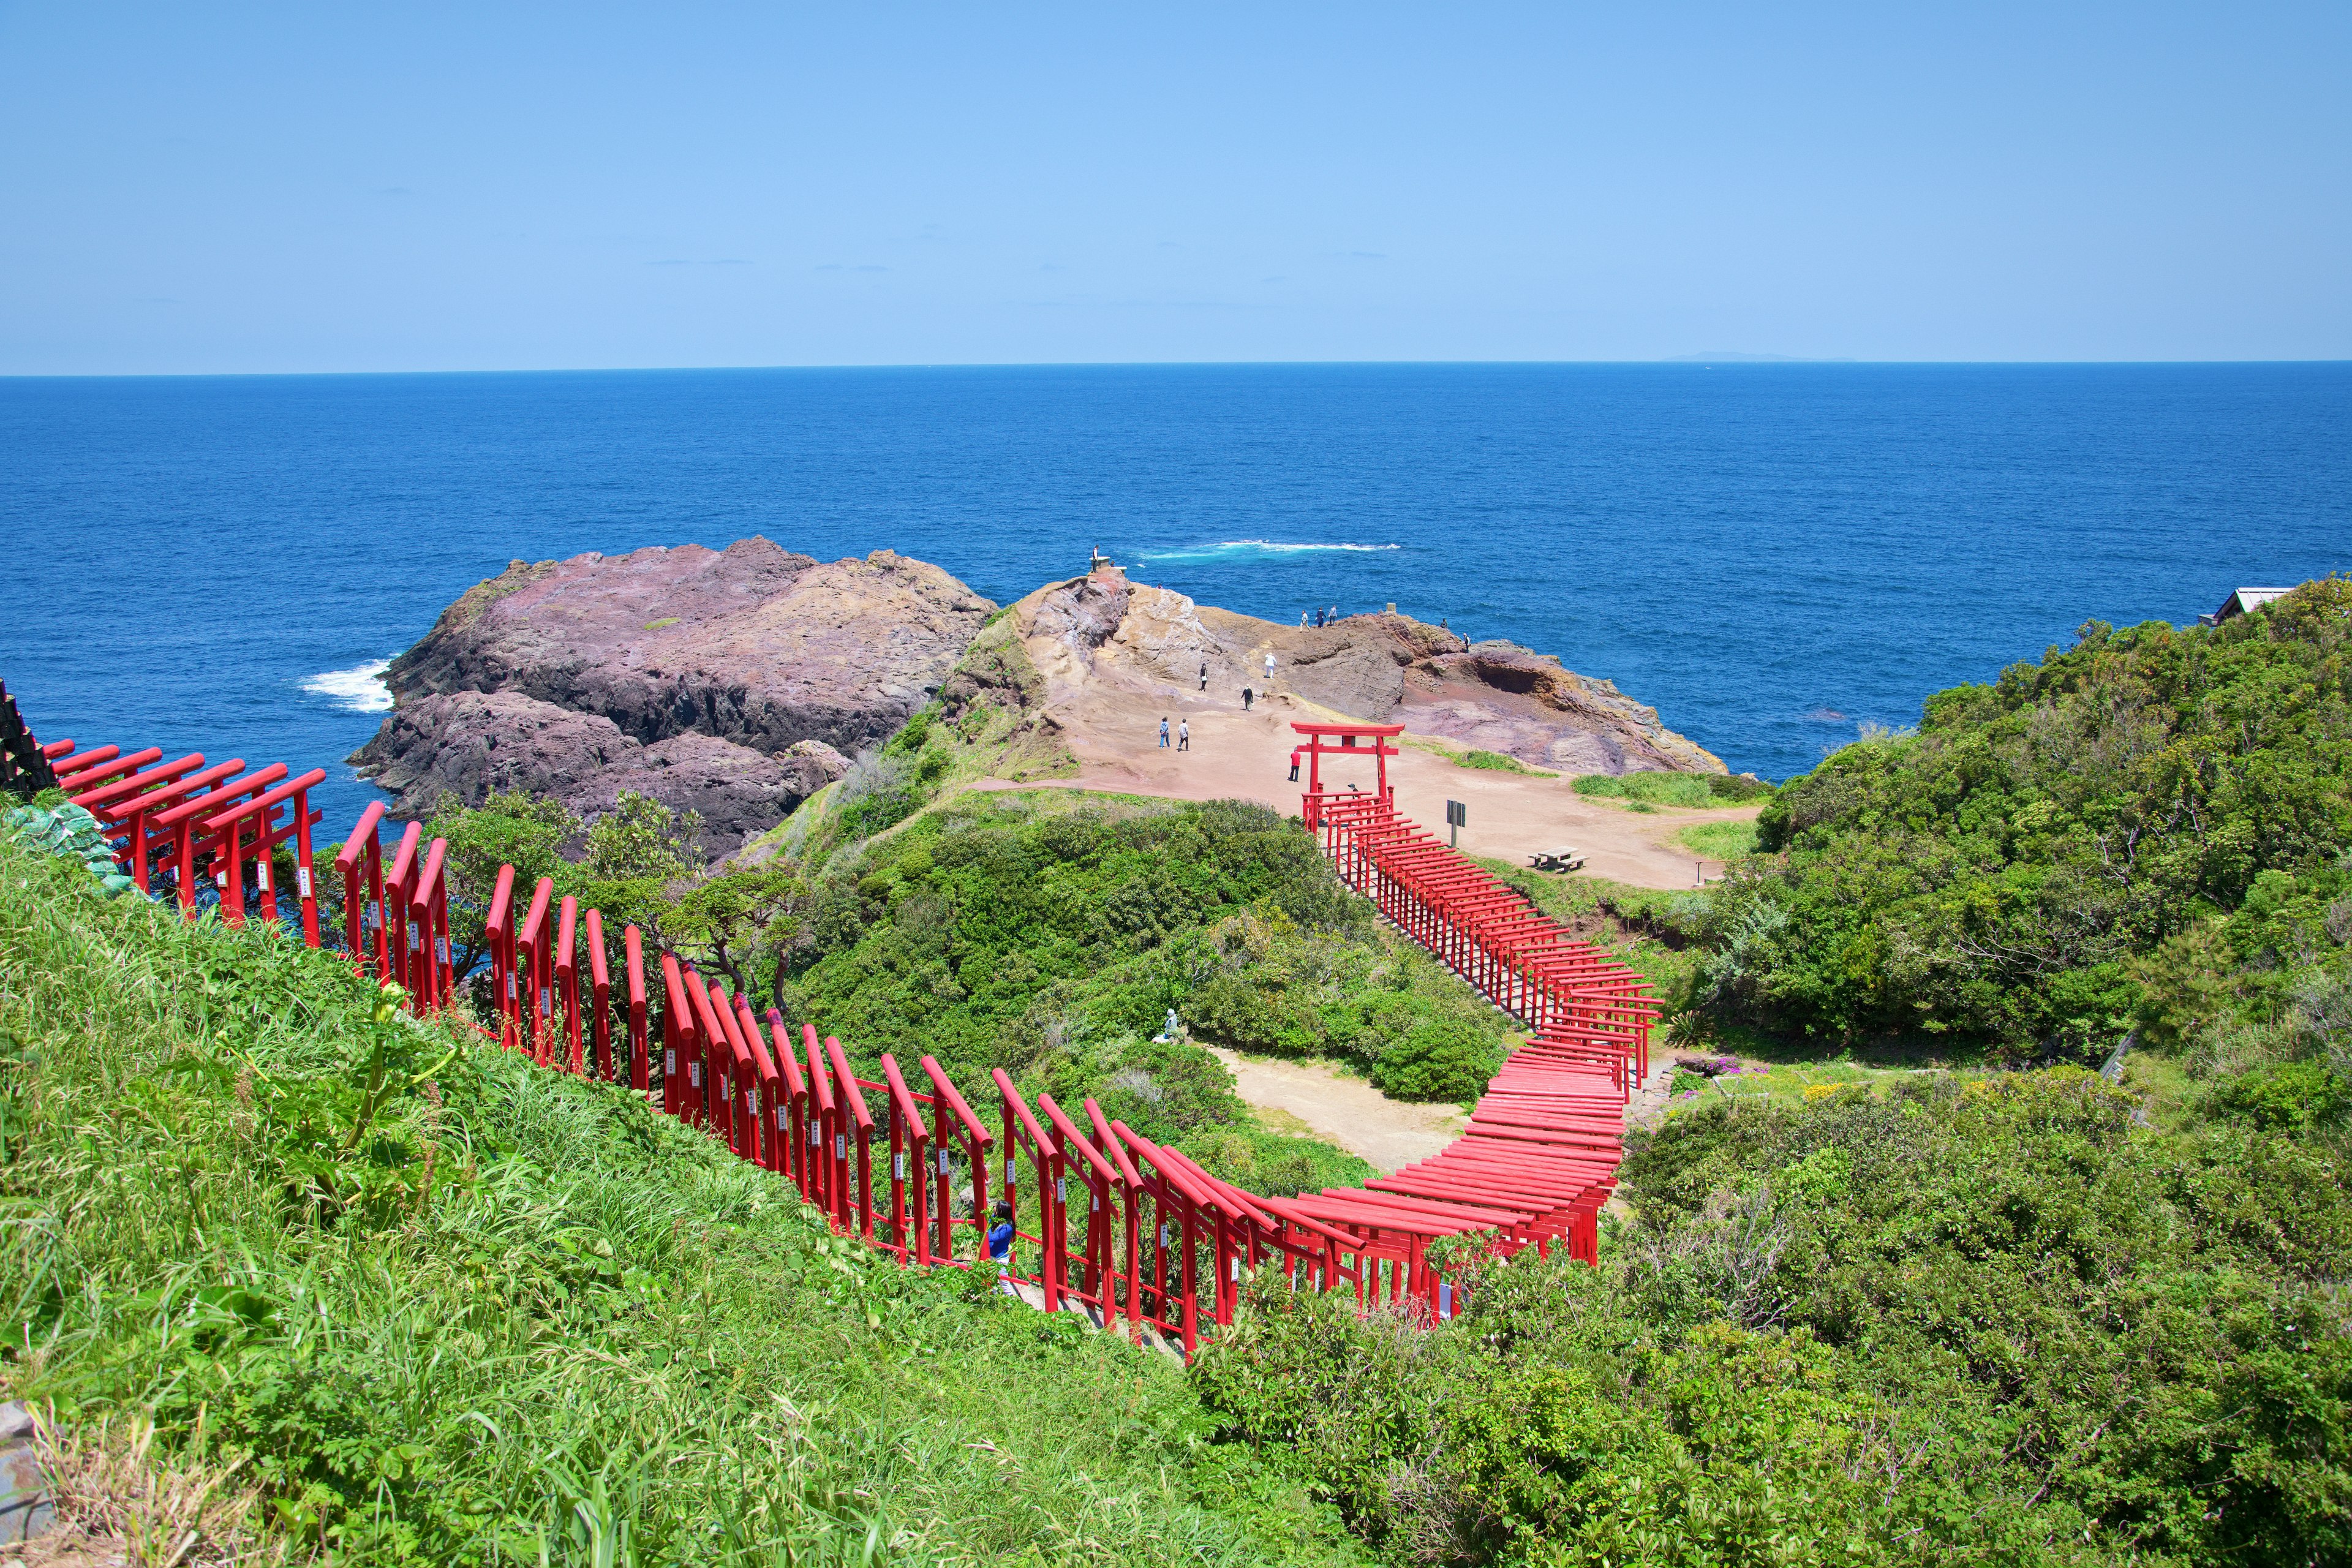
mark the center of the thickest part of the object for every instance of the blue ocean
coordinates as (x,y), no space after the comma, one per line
(1773,554)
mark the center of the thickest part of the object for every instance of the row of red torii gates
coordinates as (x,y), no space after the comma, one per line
(1136,1234)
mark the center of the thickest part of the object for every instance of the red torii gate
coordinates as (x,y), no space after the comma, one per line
(1343,740)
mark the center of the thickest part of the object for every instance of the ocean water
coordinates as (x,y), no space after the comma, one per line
(1770,554)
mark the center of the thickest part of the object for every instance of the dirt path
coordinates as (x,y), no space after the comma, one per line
(1114,732)
(1343,1110)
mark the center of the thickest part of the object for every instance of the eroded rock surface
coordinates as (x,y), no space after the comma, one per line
(1382,669)
(734,680)
(468,744)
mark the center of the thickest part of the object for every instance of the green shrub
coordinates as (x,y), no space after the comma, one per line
(1989,1323)
(2032,870)
(1649,788)
(1500,762)
(2289,1095)
(1447,1058)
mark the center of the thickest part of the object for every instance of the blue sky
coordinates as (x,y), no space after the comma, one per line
(326,187)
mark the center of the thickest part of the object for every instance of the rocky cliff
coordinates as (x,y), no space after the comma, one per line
(735,681)
(1105,630)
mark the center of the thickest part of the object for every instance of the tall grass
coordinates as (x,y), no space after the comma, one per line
(1687,790)
(444,1306)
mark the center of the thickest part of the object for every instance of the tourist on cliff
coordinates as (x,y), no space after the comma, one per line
(1247,698)
(1318,620)
(1184,734)
(1204,674)
(1163,730)
(1293,767)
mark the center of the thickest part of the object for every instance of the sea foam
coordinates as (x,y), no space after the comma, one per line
(359,690)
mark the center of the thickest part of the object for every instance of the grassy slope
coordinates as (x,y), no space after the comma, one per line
(579,1320)
(1050,935)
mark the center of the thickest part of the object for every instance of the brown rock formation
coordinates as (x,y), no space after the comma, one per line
(469,743)
(731,681)
(1103,629)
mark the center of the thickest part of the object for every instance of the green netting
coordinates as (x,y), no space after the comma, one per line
(70,831)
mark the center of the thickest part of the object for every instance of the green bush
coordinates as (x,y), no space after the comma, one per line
(1052,936)
(2287,1095)
(1448,1059)
(2030,873)
(1499,762)
(1991,1324)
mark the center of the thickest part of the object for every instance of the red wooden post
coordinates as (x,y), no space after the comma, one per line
(600,990)
(531,958)
(908,1164)
(768,1104)
(717,1064)
(863,1119)
(831,1152)
(427,906)
(632,950)
(674,1007)
(567,979)
(359,849)
(944,1099)
(791,1105)
(1131,1183)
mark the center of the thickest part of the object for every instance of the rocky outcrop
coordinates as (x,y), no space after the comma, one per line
(469,743)
(1383,668)
(734,680)
(1499,696)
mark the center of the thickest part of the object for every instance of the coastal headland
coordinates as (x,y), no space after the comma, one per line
(741,682)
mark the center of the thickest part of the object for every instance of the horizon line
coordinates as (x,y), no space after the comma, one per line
(1689,362)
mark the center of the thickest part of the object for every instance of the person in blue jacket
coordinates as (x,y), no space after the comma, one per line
(1000,1243)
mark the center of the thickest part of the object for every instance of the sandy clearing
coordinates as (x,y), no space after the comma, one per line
(1114,733)
(1344,1110)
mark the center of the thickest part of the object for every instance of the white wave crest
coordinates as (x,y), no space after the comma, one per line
(359,690)
(1237,549)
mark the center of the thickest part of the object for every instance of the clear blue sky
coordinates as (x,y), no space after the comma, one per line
(325,187)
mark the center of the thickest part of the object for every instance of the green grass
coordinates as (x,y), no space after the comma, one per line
(1719,840)
(1691,791)
(1502,763)
(486,1314)
(665,621)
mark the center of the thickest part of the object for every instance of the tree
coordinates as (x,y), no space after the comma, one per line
(511,828)
(636,855)
(740,918)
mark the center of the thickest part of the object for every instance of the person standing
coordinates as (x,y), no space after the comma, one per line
(1318,620)
(1204,674)
(1184,734)
(1163,731)
(1247,698)
(1269,670)
(1000,1245)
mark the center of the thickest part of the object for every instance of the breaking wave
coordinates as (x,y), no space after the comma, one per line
(359,690)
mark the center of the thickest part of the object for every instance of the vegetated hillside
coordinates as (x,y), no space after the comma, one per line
(2119,833)
(438,1306)
(1989,1322)
(1051,934)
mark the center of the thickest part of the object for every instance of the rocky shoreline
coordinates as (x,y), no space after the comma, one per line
(740,682)
(737,682)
